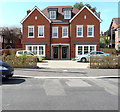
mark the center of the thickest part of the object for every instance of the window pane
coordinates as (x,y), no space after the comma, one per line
(35,49)
(79,50)
(41,31)
(85,49)
(90,30)
(52,14)
(79,31)
(67,14)
(65,32)
(31,31)
(30,48)
(41,50)
(55,32)
(92,48)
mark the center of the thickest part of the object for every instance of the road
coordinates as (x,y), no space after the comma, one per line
(61,89)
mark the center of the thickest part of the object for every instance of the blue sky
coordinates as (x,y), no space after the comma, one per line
(11,13)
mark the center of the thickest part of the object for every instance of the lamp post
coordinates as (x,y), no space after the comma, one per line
(111,37)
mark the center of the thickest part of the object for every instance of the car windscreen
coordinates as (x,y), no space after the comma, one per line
(28,53)
(20,52)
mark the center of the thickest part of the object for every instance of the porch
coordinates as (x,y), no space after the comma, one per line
(60,51)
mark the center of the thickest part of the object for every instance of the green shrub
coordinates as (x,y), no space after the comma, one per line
(105,62)
(20,62)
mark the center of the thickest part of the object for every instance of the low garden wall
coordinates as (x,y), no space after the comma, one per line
(105,62)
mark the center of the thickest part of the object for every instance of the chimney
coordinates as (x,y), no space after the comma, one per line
(28,11)
(93,10)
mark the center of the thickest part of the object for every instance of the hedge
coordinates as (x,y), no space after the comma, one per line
(105,62)
(20,62)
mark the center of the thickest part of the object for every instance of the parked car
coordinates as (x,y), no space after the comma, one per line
(6,70)
(85,57)
(28,53)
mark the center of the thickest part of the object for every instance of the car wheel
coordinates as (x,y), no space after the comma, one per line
(83,60)
(37,60)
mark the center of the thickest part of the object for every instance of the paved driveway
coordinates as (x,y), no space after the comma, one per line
(62,64)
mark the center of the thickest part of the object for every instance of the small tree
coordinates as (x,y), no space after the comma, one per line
(10,35)
(80,5)
(103,42)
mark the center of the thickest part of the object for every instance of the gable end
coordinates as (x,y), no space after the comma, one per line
(32,12)
(81,11)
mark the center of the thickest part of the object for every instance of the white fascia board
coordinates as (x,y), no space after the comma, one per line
(31,13)
(81,11)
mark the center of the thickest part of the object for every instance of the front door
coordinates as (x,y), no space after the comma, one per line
(55,52)
(64,52)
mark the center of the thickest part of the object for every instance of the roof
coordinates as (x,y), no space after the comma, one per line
(60,16)
(31,13)
(88,10)
(117,21)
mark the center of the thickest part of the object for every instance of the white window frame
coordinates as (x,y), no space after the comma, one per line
(62,31)
(28,31)
(52,32)
(37,49)
(65,14)
(81,26)
(95,47)
(43,31)
(51,14)
(88,26)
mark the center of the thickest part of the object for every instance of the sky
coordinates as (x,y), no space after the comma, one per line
(11,13)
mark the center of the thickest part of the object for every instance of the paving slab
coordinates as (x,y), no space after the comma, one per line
(62,64)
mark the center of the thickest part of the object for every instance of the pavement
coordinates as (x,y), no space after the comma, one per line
(61,89)
(62,64)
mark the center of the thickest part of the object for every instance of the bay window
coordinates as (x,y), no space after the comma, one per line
(83,49)
(36,49)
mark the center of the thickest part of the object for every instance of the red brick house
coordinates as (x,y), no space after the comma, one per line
(113,34)
(8,42)
(61,32)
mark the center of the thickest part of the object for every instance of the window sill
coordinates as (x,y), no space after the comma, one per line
(65,37)
(90,36)
(55,37)
(40,37)
(30,37)
(79,36)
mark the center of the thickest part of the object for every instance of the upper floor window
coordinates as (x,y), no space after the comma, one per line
(52,14)
(55,32)
(40,31)
(30,31)
(67,14)
(79,30)
(90,31)
(64,32)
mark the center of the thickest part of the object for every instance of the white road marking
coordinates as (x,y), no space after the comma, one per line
(65,70)
(53,88)
(65,77)
(77,83)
